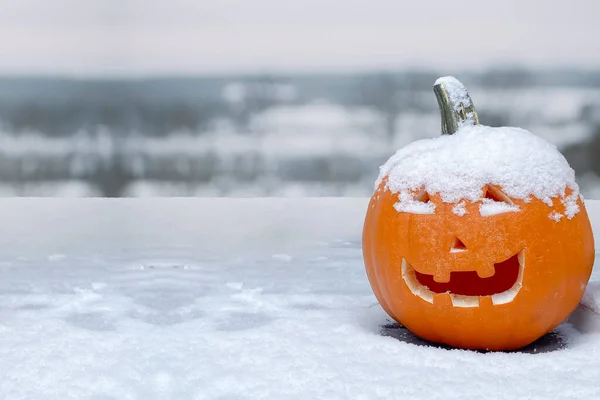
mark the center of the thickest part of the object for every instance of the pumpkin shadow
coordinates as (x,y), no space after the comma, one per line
(552,341)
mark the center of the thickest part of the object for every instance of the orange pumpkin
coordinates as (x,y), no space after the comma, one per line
(496,269)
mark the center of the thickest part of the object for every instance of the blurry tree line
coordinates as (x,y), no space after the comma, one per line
(157,107)
(118,110)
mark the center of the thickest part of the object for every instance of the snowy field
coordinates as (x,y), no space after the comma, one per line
(235,299)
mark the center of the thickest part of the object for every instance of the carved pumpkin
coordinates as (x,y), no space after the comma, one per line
(478,238)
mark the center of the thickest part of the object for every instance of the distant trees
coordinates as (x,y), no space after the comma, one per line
(382,92)
(582,156)
(389,94)
(253,95)
(514,77)
(111,135)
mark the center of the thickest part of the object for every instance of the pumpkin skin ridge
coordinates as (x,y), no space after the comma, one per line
(368,231)
(393,257)
(369,237)
(505,326)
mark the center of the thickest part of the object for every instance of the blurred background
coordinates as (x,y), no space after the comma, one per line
(132,98)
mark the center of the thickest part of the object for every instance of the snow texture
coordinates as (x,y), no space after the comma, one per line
(457,93)
(587,316)
(490,207)
(556,216)
(459,209)
(592,296)
(459,166)
(228,299)
(409,205)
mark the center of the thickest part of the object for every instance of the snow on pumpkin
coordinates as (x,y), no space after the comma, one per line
(480,268)
(459,166)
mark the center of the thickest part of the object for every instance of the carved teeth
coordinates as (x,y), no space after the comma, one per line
(442,276)
(485,301)
(464,301)
(486,271)
(442,299)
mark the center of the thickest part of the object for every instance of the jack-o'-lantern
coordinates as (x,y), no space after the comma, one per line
(477,238)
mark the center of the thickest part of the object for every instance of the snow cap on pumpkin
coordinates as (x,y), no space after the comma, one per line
(459,166)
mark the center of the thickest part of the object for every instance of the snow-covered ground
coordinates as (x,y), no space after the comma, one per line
(231,299)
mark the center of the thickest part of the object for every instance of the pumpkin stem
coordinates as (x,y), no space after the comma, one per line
(456,107)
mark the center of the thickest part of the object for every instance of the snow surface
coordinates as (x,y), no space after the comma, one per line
(229,299)
(460,209)
(409,204)
(587,316)
(490,207)
(523,164)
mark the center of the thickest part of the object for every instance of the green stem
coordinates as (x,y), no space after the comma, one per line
(456,107)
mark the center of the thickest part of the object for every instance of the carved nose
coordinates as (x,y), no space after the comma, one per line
(457,245)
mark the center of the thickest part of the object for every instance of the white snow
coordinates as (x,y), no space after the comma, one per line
(228,299)
(592,296)
(556,216)
(570,203)
(458,94)
(587,316)
(459,167)
(408,204)
(64,189)
(490,207)
(459,209)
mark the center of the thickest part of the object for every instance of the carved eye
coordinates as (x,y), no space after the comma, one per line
(422,197)
(419,203)
(495,202)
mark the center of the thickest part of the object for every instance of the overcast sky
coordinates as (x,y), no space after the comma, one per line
(206,36)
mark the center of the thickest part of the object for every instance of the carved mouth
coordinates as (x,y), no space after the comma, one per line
(466,288)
